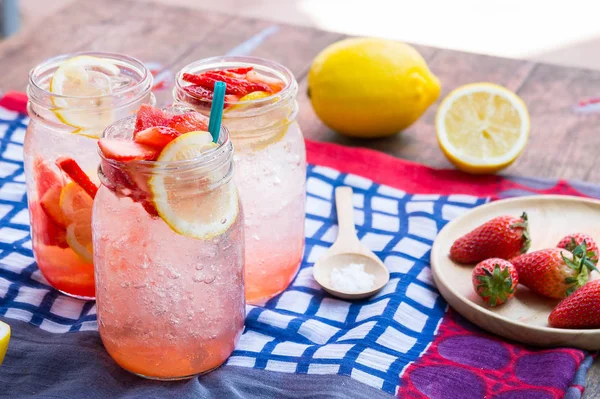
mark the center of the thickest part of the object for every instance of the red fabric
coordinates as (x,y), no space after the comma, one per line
(416,178)
(14,101)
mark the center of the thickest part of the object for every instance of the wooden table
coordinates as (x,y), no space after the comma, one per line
(562,144)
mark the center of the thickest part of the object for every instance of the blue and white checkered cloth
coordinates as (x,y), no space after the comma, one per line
(302,330)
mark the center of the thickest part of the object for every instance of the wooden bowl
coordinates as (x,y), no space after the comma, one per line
(524,318)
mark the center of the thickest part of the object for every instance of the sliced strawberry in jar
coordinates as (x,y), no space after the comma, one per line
(44,230)
(237,86)
(240,71)
(50,204)
(126,150)
(275,85)
(72,169)
(150,208)
(157,137)
(189,122)
(202,96)
(44,176)
(148,116)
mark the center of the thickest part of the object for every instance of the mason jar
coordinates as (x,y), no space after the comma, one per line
(169,259)
(270,158)
(61,157)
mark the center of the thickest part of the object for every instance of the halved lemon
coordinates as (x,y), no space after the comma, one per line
(183,204)
(76,206)
(85,81)
(482,127)
(4,339)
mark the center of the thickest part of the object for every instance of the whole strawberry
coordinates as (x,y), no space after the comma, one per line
(503,237)
(554,272)
(495,280)
(571,241)
(580,310)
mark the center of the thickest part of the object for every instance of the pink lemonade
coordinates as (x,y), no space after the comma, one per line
(72,98)
(270,159)
(169,246)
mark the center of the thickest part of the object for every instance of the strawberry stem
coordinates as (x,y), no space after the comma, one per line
(581,264)
(496,286)
(526,237)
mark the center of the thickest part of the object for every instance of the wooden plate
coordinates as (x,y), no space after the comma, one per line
(525,317)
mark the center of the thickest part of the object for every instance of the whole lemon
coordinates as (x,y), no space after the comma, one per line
(367,87)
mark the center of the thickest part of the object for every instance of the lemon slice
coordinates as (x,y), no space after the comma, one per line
(482,127)
(79,238)
(84,80)
(4,339)
(276,137)
(255,95)
(73,200)
(76,206)
(181,204)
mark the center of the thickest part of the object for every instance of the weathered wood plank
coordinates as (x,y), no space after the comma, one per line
(157,33)
(563,144)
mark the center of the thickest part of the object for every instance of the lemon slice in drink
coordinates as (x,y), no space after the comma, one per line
(83,81)
(184,204)
(482,127)
(269,136)
(76,206)
(4,339)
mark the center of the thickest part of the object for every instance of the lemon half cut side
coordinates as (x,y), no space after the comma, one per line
(482,127)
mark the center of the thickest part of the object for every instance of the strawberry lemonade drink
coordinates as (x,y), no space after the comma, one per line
(168,245)
(270,160)
(72,98)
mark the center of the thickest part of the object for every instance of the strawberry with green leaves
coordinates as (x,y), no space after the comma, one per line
(580,310)
(495,281)
(554,272)
(502,237)
(573,240)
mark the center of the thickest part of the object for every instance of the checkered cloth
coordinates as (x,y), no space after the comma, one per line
(304,331)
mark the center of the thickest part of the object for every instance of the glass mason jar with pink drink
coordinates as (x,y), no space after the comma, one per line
(270,160)
(168,245)
(72,98)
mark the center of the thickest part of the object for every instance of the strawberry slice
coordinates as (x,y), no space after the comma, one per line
(235,86)
(74,171)
(275,85)
(189,122)
(157,137)
(45,177)
(150,208)
(126,150)
(45,230)
(148,116)
(240,71)
(50,204)
(203,96)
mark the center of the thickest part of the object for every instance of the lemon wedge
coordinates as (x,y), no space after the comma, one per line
(4,339)
(482,127)
(181,204)
(76,206)
(83,81)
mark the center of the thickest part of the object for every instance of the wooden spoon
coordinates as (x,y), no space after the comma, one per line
(348,249)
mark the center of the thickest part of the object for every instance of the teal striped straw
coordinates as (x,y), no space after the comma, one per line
(216,110)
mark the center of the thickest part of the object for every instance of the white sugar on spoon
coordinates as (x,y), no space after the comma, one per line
(348,260)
